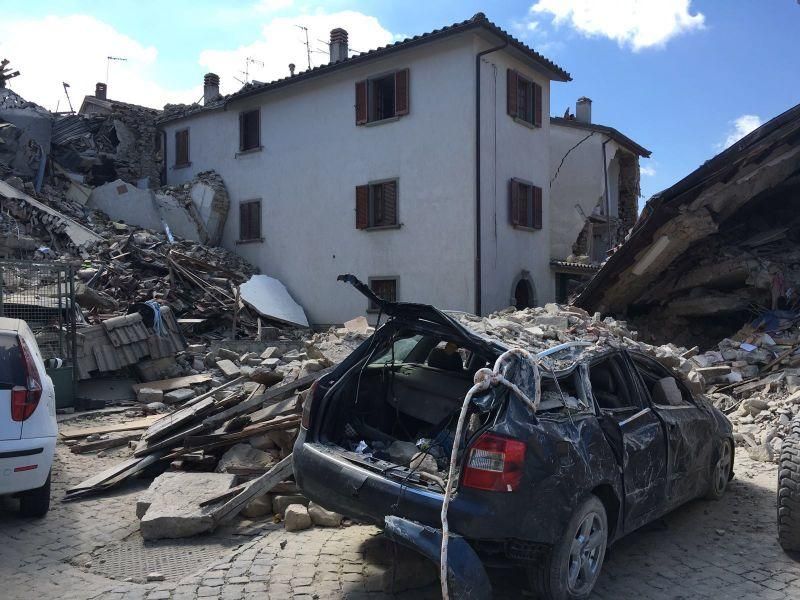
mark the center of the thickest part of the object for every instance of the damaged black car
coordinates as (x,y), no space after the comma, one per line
(577,448)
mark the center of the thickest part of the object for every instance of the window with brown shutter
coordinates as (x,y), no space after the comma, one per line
(250,221)
(525,204)
(182,148)
(249,130)
(524,98)
(383,97)
(384,288)
(376,205)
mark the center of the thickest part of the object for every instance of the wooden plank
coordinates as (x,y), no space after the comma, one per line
(210,393)
(256,487)
(176,420)
(271,394)
(175,383)
(118,473)
(280,408)
(169,442)
(212,441)
(102,444)
(71,434)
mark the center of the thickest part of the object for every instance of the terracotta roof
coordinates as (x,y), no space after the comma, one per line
(620,138)
(478,21)
(578,266)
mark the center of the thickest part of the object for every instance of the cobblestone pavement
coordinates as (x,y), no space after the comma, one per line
(725,549)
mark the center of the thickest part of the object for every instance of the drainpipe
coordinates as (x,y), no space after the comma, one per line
(608,200)
(478,285)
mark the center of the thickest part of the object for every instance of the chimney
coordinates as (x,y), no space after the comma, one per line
(583,110)
(210,88)
(338,45)
(291,69)
(100,91)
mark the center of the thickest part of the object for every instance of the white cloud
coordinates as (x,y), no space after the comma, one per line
(73,49)
(283,42)
(635,23)
(740,127)
(647,170)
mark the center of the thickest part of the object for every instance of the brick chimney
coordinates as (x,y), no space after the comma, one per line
(338,45)
(210,88)
(583,110)
(100,91)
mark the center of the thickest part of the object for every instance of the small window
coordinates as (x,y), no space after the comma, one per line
(249,130)
(382,97)
(384,288)
(182,148)
(376,205)
(250,220)
(524,99)
(526,204)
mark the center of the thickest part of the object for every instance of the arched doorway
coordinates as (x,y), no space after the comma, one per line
(524,294)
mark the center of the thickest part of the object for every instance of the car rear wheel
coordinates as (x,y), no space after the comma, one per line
(721,472)
(573,566)
(35,503)
(789,491)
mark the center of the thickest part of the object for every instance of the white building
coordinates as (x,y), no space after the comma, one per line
(386,165)
(594,194)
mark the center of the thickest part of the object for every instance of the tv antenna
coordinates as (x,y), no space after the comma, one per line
(108,63)
(66,91)
(308,45)
(6,73)
(247,62)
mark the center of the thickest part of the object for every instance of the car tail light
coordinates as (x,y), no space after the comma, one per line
(494,463)
(305,421)
(25,399)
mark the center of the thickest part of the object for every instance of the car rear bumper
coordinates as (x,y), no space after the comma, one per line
(25,463)
(354,491)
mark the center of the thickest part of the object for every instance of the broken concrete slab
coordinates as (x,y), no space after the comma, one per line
(270,298)
(244,456)
(170,508)
(179,396)
(146,395)
(259,506)
(280,502)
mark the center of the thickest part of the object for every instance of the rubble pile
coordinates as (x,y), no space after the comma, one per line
(229,441)
(753,377)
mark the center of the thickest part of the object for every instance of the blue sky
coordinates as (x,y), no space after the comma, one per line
(676,76)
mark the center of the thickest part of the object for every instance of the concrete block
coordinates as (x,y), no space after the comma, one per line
(323,517)
(259,506)
(147,395)
(228,368)
(296,518)
(179,396)
(281,502)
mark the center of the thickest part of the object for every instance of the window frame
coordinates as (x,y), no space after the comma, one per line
(371,204)
(251,239)
(686,393)
(530,213)
(242,116)
(187,162)
(398,80)
(372,104)
(525,103)
(373,308)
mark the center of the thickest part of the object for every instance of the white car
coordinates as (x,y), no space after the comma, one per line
(28,426)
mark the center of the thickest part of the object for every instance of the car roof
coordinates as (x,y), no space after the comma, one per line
(13,325)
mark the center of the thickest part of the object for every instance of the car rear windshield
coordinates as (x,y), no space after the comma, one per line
(12,371)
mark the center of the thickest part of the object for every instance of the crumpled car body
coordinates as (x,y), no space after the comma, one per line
(614,425)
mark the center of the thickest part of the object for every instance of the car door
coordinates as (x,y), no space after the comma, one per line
(690,433)
(11,371)
(637,436)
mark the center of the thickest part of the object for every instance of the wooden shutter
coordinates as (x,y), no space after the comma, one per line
(513,196)
(511,92)
(401,92)
(361,102)
(241,132)
(389,203)
(244,223)
(537,105)
(362,206)
(182,147)
(537,207)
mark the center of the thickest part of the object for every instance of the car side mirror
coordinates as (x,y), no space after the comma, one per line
(667,393)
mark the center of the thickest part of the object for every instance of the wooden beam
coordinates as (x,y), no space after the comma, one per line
(175,383)
(102,444)
(73,434)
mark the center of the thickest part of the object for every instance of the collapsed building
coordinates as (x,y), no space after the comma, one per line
(717,248)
